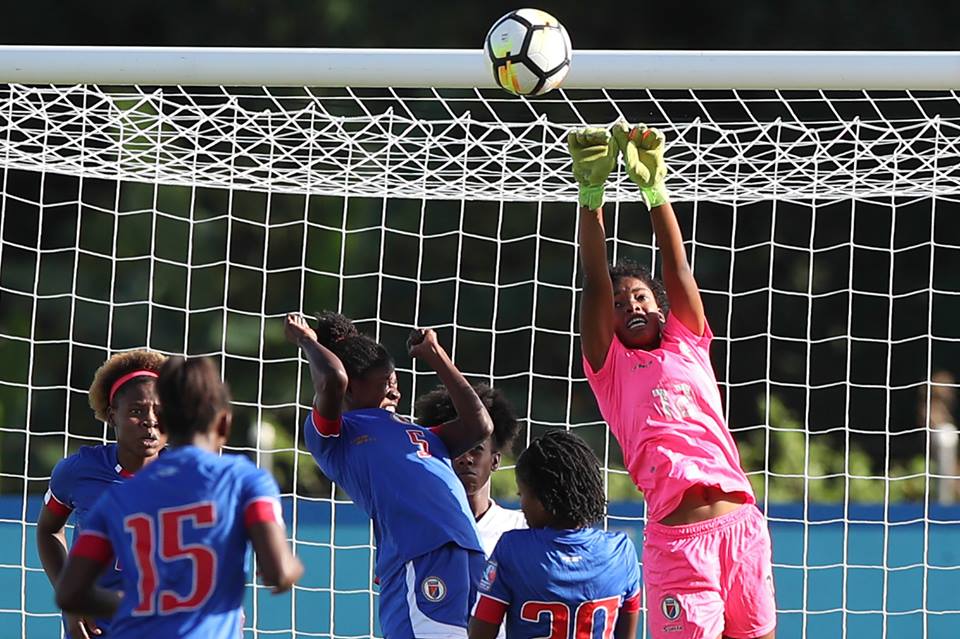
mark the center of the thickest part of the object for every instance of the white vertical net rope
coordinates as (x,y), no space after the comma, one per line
(821,226)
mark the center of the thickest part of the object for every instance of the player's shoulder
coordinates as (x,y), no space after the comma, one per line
(675,331)
(616,541)
(519,541)
(86,458)
(373,416)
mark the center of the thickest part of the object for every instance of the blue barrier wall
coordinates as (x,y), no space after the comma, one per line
(865,569)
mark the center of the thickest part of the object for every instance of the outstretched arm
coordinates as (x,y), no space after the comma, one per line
(642,150)
(326,370)
(594,154)
(473,423)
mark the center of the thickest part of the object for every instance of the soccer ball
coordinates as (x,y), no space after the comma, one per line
(529,52)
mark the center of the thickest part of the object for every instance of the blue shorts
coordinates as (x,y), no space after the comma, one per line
(430,597)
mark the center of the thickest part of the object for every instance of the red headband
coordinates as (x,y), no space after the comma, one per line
(126,378)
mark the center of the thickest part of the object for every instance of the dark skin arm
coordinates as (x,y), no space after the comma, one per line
(626,625)
(596,302)
(482,629)
(78,593)
(52,549)
(326,370)
(682,290)
(279,568)
(473,423)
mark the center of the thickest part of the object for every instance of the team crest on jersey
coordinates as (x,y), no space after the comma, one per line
(489,575)
(670,608)
(434,589)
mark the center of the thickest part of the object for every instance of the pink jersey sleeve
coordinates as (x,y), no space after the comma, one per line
(664,408)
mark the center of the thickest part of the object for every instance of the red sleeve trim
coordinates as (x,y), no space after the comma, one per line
(436,429)
(262,509)
(631,604)
(490,610)
(92,546)
(325,427)
(55,505)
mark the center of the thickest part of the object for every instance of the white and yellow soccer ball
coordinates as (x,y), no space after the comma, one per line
(529,52)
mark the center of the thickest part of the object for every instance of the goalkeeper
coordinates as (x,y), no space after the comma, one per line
(646,355)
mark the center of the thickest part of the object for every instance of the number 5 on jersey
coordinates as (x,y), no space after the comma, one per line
(418,440)
(149,536)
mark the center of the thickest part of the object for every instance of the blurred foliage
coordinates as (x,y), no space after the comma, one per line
(122,287)
(814,24)
(797,467)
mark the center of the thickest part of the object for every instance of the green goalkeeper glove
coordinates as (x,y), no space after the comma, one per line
(642,150)
(594,155)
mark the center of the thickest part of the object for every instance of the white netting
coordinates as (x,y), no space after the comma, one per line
(821,226)
(379,146)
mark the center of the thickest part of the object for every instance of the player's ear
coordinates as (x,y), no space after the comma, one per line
(224,421)
(495,464)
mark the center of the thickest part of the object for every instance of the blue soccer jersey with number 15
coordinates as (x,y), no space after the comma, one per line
(179,529)
(561,584)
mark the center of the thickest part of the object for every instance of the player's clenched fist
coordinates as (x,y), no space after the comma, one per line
(594,155)
(642,150)
(422,342)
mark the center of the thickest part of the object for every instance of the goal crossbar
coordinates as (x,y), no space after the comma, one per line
(462,68)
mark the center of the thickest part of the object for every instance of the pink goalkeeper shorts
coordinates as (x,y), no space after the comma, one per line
(711,578)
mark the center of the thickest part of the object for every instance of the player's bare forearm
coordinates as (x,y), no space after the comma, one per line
(279,567)
(473,423)
(93,602)
(326,370)
(77,592)
(596,303)
(626,625)
(479,629)
(51,544)
(682,290)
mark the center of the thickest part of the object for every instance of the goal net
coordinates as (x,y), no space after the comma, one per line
(822,222)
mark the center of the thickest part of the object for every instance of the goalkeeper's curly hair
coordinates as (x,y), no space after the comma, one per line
(562,471)
(115,368)
(628,268)
(436,408)
(360,354)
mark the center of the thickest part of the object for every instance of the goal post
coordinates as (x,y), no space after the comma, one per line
(185,199)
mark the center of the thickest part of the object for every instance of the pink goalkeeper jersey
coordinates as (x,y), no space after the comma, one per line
(663,406)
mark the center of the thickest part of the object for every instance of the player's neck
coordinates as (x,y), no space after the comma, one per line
(130,462)
(480,502)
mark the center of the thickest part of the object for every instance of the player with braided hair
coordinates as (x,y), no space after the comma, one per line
(560,578)
(475,467)
(124,395)
(429,556)
(706,556)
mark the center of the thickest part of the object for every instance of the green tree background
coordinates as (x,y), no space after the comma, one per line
(129,274)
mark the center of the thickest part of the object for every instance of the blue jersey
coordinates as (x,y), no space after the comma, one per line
(400,474)
(76,485)
(179,530)
(559,583)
